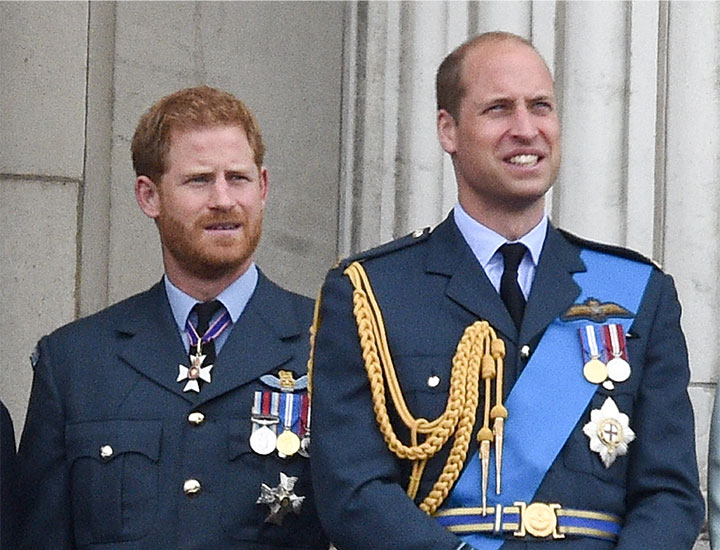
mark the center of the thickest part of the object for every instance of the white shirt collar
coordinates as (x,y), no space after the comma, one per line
(484,242)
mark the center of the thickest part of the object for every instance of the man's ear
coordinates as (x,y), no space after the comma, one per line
(446,130)
(146,194)
(264,181)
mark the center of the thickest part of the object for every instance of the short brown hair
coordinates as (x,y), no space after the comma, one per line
(449,86)
(188,109)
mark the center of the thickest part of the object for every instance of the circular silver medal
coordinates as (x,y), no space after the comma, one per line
(305,446)
(618,369)
(263,440)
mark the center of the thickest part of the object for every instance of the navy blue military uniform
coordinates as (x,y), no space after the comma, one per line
(7,479)
(430,287)
(111,439)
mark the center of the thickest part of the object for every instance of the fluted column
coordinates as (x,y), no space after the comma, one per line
(590,195)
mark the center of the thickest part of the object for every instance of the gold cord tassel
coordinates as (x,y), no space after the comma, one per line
(485,436)
(499,412)
(458,419)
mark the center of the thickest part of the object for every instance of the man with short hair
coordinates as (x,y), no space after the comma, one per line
(176,418)
(497,382)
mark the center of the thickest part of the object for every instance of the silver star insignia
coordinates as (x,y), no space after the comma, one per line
(194,373)
(281,499)
(609,432)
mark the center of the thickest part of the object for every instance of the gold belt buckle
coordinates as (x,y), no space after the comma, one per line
(538,519)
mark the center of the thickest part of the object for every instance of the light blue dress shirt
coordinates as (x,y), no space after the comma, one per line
(485,244)
(234,298)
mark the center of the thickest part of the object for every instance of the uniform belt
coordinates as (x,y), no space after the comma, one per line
(535,520)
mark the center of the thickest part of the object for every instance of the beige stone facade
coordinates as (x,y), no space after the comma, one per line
(344,94)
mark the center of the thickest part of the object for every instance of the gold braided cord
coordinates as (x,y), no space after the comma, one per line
(313,334)
(458,419)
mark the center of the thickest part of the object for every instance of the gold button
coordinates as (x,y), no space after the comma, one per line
(433,381)
(191,487)
(525,352)
(196,418)
(106,451)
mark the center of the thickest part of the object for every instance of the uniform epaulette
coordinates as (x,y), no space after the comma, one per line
(609,249)
(417,236)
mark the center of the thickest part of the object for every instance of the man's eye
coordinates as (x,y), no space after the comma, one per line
(543,106)
(199,179)
(498,107)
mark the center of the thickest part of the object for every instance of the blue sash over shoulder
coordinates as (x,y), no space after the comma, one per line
(544,406)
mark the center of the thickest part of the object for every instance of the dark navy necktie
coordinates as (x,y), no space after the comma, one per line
(205,312)
(510,290)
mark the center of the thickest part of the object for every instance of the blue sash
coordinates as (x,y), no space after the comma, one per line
(550,395)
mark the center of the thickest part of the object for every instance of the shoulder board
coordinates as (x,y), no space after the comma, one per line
(417,236)
(609,249)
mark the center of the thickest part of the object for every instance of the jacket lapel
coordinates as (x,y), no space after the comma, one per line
(468,285)
(553,289)
(149,341)
(256,344)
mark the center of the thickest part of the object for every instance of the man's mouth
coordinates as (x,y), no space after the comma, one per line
(224,226)
(524,160)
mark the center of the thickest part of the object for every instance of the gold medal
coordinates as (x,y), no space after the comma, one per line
(595,371)
(288,443)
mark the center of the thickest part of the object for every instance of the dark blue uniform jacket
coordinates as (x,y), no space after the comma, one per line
(8,472)
(430,288)
(110,379)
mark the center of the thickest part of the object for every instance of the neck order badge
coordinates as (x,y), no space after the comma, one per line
(202,345)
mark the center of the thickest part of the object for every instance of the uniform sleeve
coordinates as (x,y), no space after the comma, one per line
(44,487)
(665,508)
(357,483)
(714,475)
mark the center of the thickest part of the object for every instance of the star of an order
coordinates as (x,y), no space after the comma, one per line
(281,499)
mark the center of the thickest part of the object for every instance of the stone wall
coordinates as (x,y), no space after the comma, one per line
(344,94)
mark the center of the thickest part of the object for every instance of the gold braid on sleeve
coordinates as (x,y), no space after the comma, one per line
(478,350)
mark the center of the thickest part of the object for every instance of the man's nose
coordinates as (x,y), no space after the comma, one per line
(220,195)
(523,124)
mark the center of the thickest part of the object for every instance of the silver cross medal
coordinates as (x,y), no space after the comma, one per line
(195,372)
(281,499)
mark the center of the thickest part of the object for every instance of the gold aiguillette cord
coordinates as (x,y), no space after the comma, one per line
(485,435)
(474,359)
(492,368)
(499,412)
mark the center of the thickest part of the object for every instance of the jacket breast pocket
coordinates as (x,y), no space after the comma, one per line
(425,383)
(243,518)
(113,469)
(578,456)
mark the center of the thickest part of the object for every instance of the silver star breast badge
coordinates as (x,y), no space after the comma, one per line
(609,432)
(281,499)
(194,373)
